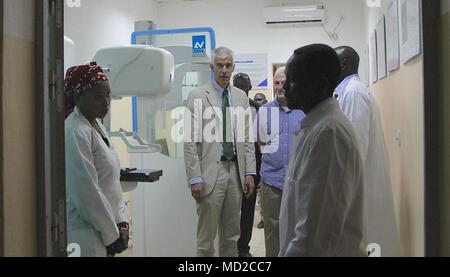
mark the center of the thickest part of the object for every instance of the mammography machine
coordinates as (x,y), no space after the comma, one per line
(164,220)
(164,213)
(137,70)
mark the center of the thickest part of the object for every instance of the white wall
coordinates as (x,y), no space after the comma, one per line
(19,146)
(401,103)
(24,27)
(100,23)
(445,6)
(239,25)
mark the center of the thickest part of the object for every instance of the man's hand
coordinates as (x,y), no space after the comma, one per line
(249,186)
(124,235)
(197,192)
(121,244)
(115,248)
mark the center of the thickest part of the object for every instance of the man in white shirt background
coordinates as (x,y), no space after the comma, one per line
(358,105)
(276,153)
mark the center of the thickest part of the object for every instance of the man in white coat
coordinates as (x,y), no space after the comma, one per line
(321,212)
(358,105)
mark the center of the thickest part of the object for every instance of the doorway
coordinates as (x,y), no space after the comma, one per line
(434,137)
(51,212)
(2,237)
(434,128)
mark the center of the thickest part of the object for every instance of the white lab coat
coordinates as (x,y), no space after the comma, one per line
(322,205)
(95,203)
(359,106)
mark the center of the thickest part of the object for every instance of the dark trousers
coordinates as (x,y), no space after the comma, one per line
(247,217)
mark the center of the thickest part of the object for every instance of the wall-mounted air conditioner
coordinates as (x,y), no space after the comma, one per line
(294,14)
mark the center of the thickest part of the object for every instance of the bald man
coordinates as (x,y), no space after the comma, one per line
(358,105)
(275,159)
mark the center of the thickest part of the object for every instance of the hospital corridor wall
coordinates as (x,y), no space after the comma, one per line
(18,112)
(444,89)
(401,102)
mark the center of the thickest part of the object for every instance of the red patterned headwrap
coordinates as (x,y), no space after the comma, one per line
(79,79)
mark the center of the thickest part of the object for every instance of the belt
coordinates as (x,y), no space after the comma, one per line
(224,159)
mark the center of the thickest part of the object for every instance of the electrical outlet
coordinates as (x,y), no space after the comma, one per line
(398,138)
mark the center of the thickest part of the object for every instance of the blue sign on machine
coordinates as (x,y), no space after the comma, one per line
(199,46)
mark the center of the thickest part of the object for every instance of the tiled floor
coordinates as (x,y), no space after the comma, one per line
(257,246)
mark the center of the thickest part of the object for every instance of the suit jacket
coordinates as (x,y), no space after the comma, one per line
(255,107)
(202,158)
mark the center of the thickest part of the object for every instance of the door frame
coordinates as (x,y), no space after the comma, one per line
(50,166)
(430,15)
(2,237)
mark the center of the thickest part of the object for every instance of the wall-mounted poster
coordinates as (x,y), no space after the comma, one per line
(373,58)
(367,65)
(410,24)
(381,48)
(392,37)
(255,65)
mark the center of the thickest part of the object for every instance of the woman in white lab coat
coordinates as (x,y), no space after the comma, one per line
(97,217)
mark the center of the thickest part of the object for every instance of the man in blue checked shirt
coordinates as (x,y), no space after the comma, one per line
(276,123)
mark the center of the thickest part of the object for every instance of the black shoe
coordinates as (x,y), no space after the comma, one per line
(245,255)
(260,225)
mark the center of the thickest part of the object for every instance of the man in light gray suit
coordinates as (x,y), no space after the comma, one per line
(220,161)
